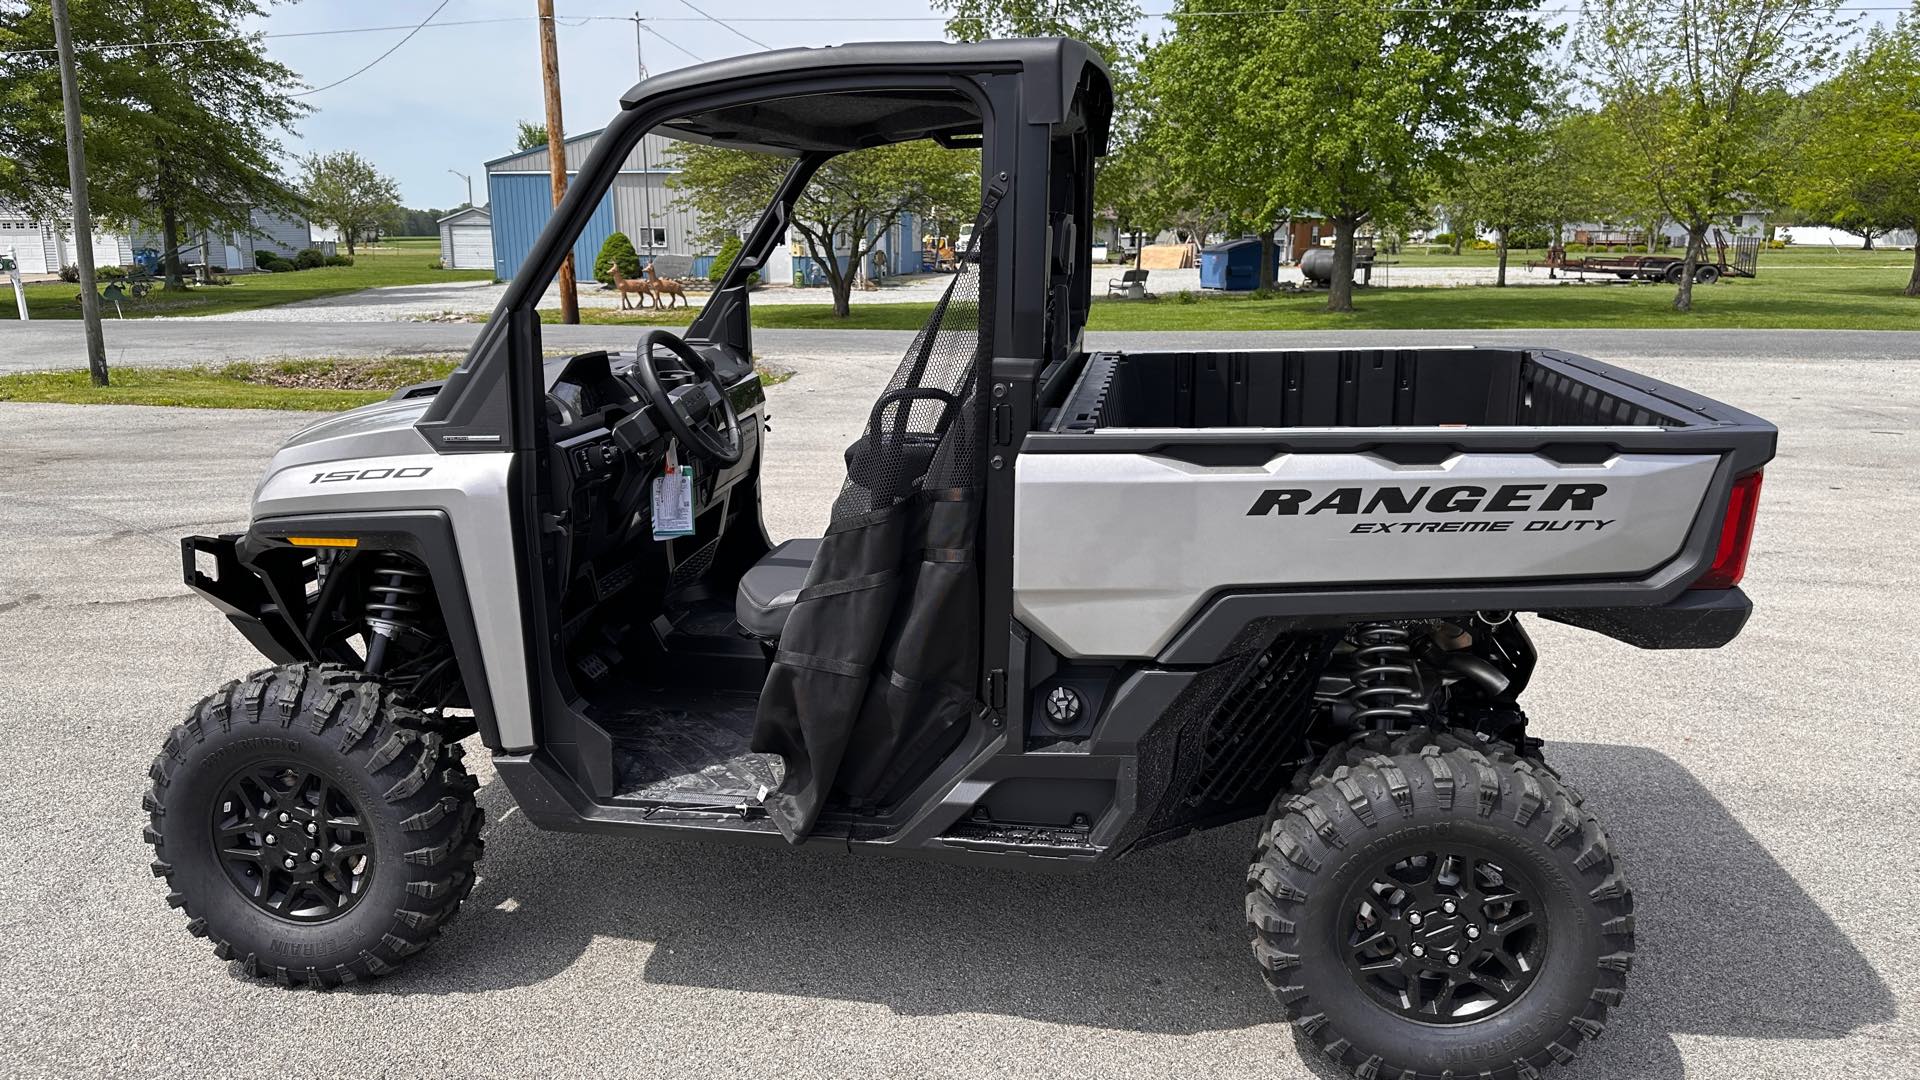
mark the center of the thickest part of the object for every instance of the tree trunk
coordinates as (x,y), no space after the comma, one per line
(170,247)
(1340,286)
(1913,283)
(348,234)
(1866,241)
(1696,245)
(1500,280)
(1459,241)
(1267,257)
(841,282)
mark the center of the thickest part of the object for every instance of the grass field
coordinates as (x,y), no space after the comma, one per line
(1797,258)
(1865,298)
(315,385)
(392,262)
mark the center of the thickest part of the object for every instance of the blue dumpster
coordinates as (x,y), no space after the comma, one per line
(1233,265)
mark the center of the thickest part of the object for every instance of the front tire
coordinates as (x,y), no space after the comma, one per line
(1436,905)
(313,827)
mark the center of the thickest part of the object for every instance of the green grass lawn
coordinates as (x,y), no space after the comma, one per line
(392,262)
(316,385)
(1797,258)
(1867,300)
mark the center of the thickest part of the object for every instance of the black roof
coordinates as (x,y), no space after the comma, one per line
(1053,69)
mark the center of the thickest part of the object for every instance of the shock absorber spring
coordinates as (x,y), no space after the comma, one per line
(1386,685)
(395,602)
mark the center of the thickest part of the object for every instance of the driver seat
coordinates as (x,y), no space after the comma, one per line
(767,592)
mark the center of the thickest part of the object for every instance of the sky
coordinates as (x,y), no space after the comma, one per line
(450,96)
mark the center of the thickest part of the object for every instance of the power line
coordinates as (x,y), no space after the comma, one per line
(696,57)
(808,19)
(382,56)
(735,31)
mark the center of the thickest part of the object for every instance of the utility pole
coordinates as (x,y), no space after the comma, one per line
(556,149)
(646,167)
(82,213)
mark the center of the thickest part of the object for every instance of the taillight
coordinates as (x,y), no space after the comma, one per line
(1736,535)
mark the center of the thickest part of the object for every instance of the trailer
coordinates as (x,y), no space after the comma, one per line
(1667,268)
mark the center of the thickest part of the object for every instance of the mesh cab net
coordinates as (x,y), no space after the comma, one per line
(876,670)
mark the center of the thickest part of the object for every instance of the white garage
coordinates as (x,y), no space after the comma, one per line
(27,239)
(466,239)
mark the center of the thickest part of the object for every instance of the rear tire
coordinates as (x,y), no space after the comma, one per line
(1706,275)
(1435,905)
(311,826)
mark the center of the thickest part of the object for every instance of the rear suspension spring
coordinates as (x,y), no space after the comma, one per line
(1386,685)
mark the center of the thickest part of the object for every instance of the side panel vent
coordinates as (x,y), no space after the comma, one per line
(1251,739)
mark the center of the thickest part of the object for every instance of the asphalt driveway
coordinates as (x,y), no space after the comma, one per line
(1761,797)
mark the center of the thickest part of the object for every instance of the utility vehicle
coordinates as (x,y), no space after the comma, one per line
(1071,603)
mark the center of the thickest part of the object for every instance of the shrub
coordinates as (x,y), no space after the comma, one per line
(344,260)
(277,265)
(1444,239)
(729,251)
(309,259)
(70,274)
(436,265)
(1528,238)
(617,251)
(263,256)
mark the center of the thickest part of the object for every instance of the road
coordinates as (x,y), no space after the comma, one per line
(54,344)
(1760,797)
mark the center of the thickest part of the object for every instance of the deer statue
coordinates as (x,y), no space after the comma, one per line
(660,286)
(627,286)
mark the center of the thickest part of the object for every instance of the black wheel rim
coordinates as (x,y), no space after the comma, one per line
(292,842)
(1445,935)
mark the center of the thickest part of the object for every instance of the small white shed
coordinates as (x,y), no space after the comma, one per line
(466,239)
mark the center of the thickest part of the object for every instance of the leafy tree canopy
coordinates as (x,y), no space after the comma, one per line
(850,202)
(1859,168)
(1699,90)
(344,190)
(185,136)
(529,135)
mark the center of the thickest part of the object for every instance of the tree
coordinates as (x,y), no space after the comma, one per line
(345,191)
(1217,152)
(852,200)
(616,254)
(1350,109)
(197,153)
(1699,90)
(529,135)
(1859,168)
(1531,176)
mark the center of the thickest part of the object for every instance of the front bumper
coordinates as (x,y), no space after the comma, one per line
(241,596)
(1706,619)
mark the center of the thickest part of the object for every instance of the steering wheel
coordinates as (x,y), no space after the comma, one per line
(698,413)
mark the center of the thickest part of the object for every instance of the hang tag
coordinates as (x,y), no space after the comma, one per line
(673,500)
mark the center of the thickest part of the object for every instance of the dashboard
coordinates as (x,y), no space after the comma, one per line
(609,443)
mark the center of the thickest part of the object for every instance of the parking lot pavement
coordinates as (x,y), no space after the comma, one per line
(1761,798)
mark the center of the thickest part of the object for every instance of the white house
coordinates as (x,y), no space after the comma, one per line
(41,246)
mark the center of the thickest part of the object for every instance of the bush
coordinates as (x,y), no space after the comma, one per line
(108,273)
(1444,239)
(274,264)
(729,251)
(309,259)
(1528,238)
(70,274)
(436,265)
(344,260)
(616,252)
(263,256)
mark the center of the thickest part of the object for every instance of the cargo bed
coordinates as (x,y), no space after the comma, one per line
(1302,484)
